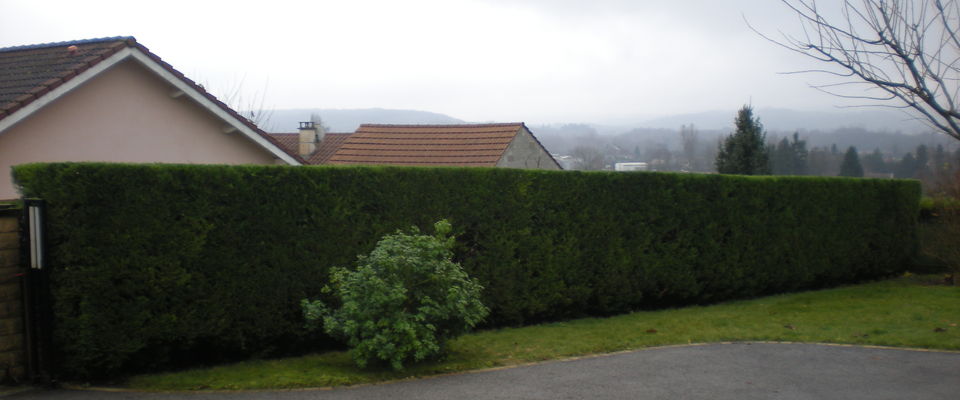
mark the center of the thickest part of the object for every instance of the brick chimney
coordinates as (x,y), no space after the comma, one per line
(310,136)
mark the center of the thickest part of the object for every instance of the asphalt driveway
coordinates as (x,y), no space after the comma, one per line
(718,371)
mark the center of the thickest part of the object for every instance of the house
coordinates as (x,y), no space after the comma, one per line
(630,166)
(509,145)
(111,99)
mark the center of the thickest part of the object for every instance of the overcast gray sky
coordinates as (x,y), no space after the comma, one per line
(536,61)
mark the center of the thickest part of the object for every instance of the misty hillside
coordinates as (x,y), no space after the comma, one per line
(775,119)
(563,139)
(348,120)
(865,129)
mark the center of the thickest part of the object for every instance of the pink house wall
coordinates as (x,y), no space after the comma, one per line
(125,114)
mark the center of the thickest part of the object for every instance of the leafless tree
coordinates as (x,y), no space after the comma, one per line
(588,158)
(688,137)
(318,121)
(907,51)
(252,107)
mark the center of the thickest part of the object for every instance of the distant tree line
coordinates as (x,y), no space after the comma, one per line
(745,152)
(789,157)
(692,150)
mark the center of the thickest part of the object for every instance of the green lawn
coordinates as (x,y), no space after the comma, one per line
(912,311)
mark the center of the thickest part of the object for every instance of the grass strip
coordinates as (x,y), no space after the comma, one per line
(911,311)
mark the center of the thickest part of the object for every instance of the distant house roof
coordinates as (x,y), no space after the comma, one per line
(35,75)
(325,149)
(480,145)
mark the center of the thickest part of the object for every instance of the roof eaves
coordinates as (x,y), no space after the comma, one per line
(67,43)
(54,83)
(50,90)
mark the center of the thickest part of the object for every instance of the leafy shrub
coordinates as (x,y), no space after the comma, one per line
(931,208)
(403,301)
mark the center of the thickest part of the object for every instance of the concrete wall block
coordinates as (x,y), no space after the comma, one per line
(16,374)
(9,224)
(12,367)
(10,291)
(9,258)
(11,359)
(10,326)
(10,273)
(11,308)
(9,240)
(10,343)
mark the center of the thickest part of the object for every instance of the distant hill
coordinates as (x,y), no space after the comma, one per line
(889,130)
(562,139)
(348,120)
(896,144)
(775,119)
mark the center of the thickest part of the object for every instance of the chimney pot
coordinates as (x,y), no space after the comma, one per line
(310,137)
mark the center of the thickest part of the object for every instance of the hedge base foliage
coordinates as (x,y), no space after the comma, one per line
(153,260)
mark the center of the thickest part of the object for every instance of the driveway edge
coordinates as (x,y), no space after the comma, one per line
(504,367)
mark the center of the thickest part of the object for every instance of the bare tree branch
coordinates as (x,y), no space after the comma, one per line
(908,49)
(252,108)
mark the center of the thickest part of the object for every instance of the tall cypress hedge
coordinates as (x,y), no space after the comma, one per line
(152,262)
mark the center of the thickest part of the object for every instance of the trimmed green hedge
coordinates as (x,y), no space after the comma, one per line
(154,263)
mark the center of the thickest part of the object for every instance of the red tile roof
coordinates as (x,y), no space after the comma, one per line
(29,72)
(480,145)
(290,142)
(287,141)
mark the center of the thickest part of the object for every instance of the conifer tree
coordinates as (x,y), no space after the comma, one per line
(906,168)
(923,158)
(789,158)
(851,164)
(744,152)
(874,162)
(799,154)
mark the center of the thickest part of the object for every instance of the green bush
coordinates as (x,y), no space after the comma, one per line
(403,301)
(155,265)
(931,208)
